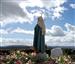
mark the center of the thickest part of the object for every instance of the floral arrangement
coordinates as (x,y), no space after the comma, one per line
(18,57)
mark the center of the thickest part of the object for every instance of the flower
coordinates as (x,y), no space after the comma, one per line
(33,54)
(18,52)
(18,62)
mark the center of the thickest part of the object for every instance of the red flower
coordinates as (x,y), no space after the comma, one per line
(18,62)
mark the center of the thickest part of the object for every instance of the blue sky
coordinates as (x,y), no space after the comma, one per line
(19,17)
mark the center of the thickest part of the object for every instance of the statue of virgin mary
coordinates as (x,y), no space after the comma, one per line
(39,36)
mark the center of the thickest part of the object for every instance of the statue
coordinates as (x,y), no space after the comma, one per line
(39,36)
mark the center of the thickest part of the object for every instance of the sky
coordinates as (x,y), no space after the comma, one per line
(19,17)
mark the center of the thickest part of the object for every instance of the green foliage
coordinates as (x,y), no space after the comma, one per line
(61,60)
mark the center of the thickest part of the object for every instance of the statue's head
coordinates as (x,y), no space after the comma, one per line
(41,24)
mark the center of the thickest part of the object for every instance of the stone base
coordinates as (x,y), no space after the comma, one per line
(41,57)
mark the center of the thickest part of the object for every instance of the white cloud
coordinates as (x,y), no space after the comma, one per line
(67,40)
(57,3)
(16,42)
(17,30)
(42,3)
(2,31)
(31,3)
(20,30)
(0,40)
(55,31)
(72,5)
(57,9)
(10,12)
(55,36)
(57,13)
(70,27)
(56,40)
(16,10)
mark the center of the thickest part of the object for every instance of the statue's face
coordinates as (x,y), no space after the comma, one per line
(41,24)
(40,21)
